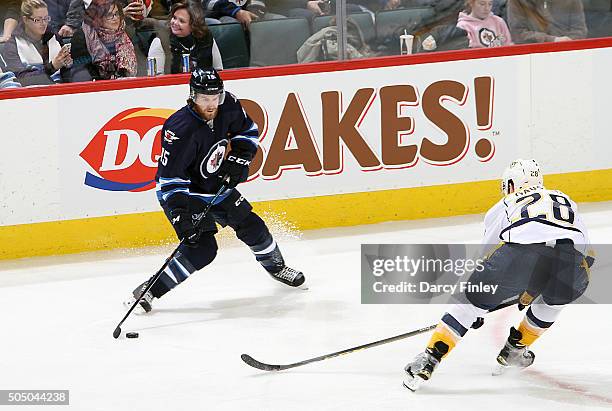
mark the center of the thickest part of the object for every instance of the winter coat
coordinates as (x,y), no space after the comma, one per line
(199,50)
(31,61)
(537,21)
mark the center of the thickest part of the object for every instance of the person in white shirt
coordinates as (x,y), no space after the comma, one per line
(539,259)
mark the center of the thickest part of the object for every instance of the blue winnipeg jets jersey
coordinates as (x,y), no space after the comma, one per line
(193,150)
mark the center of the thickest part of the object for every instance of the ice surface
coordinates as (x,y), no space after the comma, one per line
(58,315)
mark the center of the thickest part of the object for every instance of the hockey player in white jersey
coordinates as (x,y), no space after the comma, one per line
(539,256)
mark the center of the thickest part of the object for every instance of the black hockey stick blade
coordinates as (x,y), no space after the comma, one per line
(260,365)
(117,332)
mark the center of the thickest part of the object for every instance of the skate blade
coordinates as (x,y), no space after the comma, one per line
(412,383)
(138,310)
(499,370)
(507,370)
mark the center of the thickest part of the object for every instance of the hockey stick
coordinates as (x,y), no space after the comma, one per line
(117,331)
(275,367)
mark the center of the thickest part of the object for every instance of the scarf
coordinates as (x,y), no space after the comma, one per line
(99,40)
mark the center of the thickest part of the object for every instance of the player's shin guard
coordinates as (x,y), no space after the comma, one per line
(271,259)
(254,233)
(455,324)
(176,271)
(538,318)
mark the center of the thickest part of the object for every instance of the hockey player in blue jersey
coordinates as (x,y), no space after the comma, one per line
(208,143)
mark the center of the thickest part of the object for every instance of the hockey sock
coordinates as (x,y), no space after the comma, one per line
(537,320)
(177,271)
(454,325)
(269,256)
(254,233)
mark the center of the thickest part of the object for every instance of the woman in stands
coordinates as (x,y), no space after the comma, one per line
(101,49)
(34,53)
(189,37)
(538,21)
(483,28)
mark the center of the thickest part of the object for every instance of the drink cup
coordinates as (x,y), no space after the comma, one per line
(406,43)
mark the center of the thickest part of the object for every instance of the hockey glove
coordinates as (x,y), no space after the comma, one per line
(525,300)
(235,168)
(478,323)
(184,227)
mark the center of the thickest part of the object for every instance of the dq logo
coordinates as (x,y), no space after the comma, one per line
(124,153)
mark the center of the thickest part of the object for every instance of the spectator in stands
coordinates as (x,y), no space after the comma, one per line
(10,18)
(537,21)
(440,31)
(101,49)
(58,9)
(484,29)
(309,9)
(226,11)
(140,28)
(34,53)
(190,36)
(135,10)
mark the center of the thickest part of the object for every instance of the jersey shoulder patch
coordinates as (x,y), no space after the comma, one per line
(177,127)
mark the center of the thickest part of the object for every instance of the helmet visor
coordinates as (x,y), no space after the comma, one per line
(200,98)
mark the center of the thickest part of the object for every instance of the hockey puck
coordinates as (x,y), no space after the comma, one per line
(131,335)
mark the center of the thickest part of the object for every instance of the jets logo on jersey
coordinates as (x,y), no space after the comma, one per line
(170,137)
(488,38)
(213,159)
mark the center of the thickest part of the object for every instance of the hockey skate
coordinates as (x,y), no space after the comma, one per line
(145,302)
(423,365)
(289,276)
(514,354)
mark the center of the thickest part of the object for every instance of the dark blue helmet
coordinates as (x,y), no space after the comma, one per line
(205,81)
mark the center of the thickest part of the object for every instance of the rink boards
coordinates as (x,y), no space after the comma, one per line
(341,143)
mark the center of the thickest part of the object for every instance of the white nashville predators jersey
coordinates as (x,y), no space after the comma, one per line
(535,215)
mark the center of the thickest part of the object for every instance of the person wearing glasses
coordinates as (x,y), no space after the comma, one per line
(101,48)
(34,53)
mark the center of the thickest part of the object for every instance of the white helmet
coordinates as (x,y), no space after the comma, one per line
(521,174)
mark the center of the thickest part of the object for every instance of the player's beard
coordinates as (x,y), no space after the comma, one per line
(208,114)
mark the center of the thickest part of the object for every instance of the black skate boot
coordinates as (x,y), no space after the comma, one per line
(289,276)
(146,300)
(423,365)
(514,354)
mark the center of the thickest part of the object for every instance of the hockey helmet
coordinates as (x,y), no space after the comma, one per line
(206,81)
(520,175)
